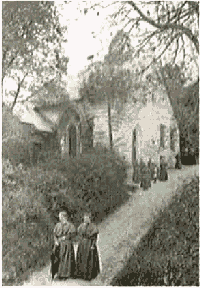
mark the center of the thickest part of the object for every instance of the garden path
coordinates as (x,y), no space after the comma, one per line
(124,229)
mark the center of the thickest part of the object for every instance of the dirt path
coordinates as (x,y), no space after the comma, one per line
(124,229)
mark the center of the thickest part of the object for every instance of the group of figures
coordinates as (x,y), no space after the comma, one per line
(64,263)
(145,174)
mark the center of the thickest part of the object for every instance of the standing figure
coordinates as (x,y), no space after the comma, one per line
(145,176)
(155,174)
(64,234)
(136,173)
(87,266)
(151,167)
(163,169)
(178,164)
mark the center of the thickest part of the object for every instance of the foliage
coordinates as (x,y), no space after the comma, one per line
(16,150)
(119,49)
(103,84)
(14,144)
(171,247)
(94,182)
(11,126)
(31,42)
(108,85)
(26,225)
(33,196)
(184,100)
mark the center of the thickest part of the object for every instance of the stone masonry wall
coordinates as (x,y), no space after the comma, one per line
(147,122)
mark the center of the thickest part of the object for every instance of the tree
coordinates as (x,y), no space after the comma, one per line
(31,34)
(171,20)
(104,85)
(169,27)
(184,99)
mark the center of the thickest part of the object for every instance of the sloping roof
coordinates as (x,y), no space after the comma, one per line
(30,116)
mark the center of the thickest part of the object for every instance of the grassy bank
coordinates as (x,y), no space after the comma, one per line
(169,253)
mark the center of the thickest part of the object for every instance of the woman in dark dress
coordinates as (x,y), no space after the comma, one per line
(87,266)
(64,234)
(178,164)
(145,176)
(163,170)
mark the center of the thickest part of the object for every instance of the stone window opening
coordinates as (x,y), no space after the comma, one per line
(162,135)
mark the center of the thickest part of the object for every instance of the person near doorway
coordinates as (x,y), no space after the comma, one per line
(87,259)
(178,164)
(163,169)
(151,167)
(145,176)
(64,234)
(155,174)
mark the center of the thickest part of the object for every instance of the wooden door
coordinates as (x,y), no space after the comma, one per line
(134,138)
(72,141)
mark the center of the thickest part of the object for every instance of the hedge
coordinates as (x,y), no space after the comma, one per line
(32,197)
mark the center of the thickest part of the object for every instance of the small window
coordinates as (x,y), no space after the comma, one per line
(162,135)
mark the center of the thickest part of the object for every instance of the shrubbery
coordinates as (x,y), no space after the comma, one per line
(94,182)
(16,150)
(26,224)
(169,253)
(33,196)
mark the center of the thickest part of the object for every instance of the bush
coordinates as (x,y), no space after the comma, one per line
(16,150)
(26,224)
(33,197)
(94,182)
(169,253)
(11,126)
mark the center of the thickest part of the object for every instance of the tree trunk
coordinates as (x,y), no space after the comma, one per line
(18,90)
(16,96)
(110,126)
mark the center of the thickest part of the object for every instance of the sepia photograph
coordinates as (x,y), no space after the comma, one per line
(100,143)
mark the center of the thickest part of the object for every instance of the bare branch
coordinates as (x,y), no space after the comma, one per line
(167,26)
(183,46)
(176,50)
(18,89)
(157,58)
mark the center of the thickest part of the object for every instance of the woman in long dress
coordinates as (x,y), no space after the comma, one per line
(145,176)
(64,234)
(87,265)
(178,164)
(163,170)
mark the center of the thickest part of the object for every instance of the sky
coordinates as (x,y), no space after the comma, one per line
(81,42)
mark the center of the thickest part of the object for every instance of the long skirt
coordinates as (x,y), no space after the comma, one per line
(145,183)
(87,265)
(67,264)
(55,260)
(163,174)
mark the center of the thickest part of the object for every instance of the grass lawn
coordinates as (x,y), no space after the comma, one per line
(169,253)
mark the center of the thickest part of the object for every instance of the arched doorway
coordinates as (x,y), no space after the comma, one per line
(134,154)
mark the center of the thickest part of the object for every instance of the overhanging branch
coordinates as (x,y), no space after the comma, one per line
(167,26)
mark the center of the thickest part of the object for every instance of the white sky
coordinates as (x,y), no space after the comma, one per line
(81,43)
